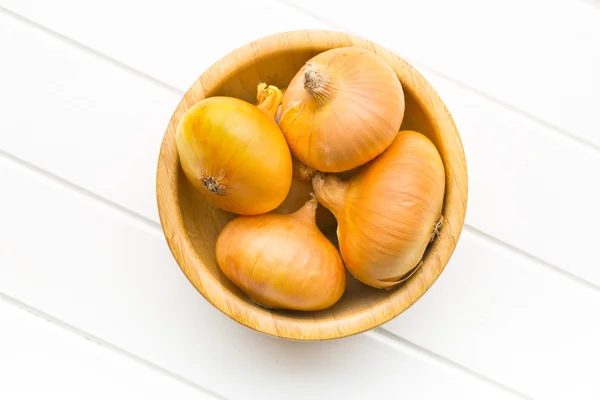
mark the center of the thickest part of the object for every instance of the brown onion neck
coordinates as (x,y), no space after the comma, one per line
(307,212)
(330,191)
(269,99)
(318,85)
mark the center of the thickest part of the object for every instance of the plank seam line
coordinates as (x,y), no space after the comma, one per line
(172,89)
(155,228)
(575,139)
(148,223)
(595,4)
(588,145)
(397,342)
(515,251)
(64,326)
(89,50)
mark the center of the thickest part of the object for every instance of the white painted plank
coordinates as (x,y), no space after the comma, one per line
(521,174)
(537,55)
(114,277)
(541,56)
(436,341)
(156,37)
(510,319)
(40,360)
(80,117)
(528,186)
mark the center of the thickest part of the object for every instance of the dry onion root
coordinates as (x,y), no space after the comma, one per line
(282,261)
(234,154)
(388,212)
(342,109)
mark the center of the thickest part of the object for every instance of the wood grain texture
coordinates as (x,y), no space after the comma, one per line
(191,226)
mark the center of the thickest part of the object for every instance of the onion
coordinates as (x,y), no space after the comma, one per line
(234,154)
(282,261)
(342,109)
(389,211)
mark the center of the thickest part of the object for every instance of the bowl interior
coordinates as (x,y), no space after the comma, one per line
(193,229)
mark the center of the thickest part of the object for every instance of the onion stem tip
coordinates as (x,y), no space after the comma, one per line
(312,79)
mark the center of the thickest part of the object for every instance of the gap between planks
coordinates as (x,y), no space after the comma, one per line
(512,251)
(108,346)
(397,342)
(152,225)
(154,228)
(588,145)
(89,50)
(581,142)
(593,3)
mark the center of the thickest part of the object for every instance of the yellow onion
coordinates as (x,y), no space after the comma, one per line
(235,155)
(389,211)
(342,109)
(282,261)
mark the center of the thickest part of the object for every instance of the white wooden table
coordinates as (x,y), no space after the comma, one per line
(93,305)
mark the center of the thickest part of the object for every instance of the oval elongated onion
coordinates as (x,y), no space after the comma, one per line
(342,109)
(235,155)
(389,211)
(282,261)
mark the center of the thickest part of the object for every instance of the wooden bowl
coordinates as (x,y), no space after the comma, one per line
(191,226)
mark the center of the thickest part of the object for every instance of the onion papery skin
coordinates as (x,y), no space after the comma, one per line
(388,212)
(235,155)
(282,261)
(342,109)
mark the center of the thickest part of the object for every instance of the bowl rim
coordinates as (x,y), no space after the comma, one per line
(455,201)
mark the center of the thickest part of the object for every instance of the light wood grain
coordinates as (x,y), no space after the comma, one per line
(191,226)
